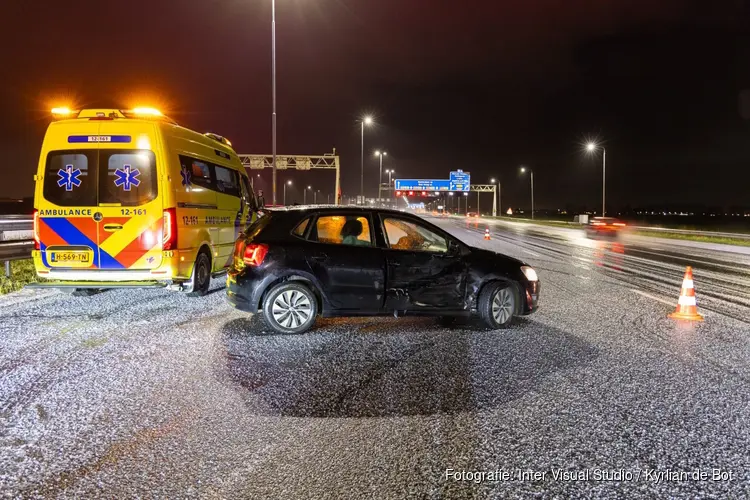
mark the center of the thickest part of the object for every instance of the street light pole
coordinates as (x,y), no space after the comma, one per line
(273,98)
(381,154)
(495,199)
(591,147)
(604,180)
(365,121)
(362,165)
(523,169)
(532,195)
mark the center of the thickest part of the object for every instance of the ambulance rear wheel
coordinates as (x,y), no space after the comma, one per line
(201,278)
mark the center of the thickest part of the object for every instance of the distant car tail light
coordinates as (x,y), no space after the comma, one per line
(169,241)
(37,241)
(620,224)
(254,254)
(529,273)
(598,223)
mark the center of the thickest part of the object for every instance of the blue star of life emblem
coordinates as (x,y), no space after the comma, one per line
(185,177)
(127,177)
(69,177)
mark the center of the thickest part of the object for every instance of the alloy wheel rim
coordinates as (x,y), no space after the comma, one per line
(502,305)
(291,309)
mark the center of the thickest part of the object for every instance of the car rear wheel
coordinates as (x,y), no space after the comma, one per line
(497,305)
(290,308)
(201,278)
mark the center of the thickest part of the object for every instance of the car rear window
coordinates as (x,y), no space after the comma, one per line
(301,228)
(254,229)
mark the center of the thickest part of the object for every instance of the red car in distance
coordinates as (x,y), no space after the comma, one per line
(604,226)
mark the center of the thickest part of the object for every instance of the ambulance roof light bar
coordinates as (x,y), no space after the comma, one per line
(64,112)
(146,111)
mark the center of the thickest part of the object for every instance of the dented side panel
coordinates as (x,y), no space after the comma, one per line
(422,281)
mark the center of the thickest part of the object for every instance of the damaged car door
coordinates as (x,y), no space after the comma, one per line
(425,269)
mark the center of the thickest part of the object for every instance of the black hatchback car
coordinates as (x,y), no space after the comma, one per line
(293,264)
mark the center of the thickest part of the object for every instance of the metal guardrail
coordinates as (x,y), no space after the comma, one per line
(691,232)
(16,223)
(15,249)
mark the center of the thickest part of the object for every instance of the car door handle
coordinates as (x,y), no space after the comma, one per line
(112,227)
(320,257)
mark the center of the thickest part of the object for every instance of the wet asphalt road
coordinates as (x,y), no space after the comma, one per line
(153,394)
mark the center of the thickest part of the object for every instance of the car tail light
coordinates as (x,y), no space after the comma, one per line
(37,241)
(597,223)
(255,253)
(169,242)
(620,224)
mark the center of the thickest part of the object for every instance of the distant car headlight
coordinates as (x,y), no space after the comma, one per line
(529,273)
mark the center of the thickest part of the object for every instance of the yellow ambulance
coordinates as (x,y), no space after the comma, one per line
(129,199)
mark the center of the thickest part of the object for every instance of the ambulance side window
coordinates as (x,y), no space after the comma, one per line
(247,193)
(227,181)
(200,172)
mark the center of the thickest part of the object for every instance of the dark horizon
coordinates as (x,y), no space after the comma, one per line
(484,91)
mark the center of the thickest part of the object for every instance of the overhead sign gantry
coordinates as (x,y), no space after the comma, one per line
(329,161)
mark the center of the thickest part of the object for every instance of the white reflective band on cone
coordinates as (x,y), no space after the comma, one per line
(687,284)
(686,301)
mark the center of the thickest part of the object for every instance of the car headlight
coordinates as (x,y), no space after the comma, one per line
(529,273)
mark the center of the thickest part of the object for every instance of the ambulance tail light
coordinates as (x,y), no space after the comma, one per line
(254,254)
(37,241)
(170,229)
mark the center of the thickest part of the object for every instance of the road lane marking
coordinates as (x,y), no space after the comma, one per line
(653,297)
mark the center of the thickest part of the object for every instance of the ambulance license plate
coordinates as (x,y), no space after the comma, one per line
(71,257)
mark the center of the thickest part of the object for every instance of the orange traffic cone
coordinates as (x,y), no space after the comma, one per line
(686,308)
(487,234)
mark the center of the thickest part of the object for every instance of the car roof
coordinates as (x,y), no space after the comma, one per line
(296,209)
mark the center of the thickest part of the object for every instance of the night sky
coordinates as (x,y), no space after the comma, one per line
(482,86)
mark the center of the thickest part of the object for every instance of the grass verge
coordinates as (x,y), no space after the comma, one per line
(722,240)
(21,273)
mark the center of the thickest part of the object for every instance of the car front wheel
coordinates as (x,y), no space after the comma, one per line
(290,308)
(497,305)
